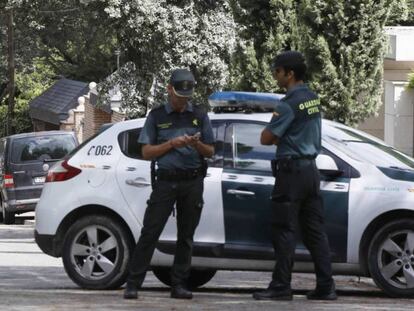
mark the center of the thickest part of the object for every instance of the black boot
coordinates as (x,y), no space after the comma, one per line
(322,294)
(131,291)
(180,292)
(274,294)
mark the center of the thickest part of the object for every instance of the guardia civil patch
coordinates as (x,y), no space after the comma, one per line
(164,125)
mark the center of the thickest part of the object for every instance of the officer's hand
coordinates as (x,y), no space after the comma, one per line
(193,140)
(180,141)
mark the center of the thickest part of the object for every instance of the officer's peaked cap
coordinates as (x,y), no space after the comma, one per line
(183,82)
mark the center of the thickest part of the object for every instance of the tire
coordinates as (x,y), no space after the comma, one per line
(8,217)
(86,263)
(198,277)
(1,212)
(391,258)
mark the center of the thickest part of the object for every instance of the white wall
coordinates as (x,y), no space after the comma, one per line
(399,116)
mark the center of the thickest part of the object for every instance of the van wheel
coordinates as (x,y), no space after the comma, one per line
(391,258)
(8,217)
(1,213)
(198,277)
(96,252)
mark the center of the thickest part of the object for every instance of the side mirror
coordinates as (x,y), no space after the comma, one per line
(327,166)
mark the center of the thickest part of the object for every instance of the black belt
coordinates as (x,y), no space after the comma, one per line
(289,163)
(178,174)
(306,157)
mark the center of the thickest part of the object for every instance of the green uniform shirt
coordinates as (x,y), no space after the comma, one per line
(297,122)
(163,124)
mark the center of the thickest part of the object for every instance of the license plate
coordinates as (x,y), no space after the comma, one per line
(39,180)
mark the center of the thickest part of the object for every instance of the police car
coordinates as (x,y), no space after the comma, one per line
(91,209)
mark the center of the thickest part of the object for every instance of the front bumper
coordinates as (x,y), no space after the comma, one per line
(48,244)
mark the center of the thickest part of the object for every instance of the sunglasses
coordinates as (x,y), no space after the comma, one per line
(183,86)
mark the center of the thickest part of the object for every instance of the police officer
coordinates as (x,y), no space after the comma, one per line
(177,136)
(295,128)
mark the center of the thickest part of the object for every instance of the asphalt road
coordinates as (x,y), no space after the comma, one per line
(31,280)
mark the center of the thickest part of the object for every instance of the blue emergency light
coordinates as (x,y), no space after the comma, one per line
(232,101)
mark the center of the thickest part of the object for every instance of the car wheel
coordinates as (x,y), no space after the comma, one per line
(8,217)
(391,258)
(198,277)
(95,253)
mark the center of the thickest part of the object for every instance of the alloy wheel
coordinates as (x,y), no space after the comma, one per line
(396,259)
(94,252)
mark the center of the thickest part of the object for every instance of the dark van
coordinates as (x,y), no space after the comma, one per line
(24,162)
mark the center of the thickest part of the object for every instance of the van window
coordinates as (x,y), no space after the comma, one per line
(39,148)
(2,148)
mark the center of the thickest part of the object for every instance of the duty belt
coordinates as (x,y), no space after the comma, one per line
(178,174)
(289,163)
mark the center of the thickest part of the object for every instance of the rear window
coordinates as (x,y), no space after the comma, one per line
(40,148)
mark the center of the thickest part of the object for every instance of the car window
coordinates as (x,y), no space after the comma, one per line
(364,148)
(40,148)
(348,170)
(243,149)
(128,142)
(218,131)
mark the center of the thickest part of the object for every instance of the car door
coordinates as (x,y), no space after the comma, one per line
(210,230)
(133,173)
(247,185)
(134,178)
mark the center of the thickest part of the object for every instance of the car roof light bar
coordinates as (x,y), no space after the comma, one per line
(243,101)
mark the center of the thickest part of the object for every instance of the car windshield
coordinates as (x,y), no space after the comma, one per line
(366,148)
(41,148)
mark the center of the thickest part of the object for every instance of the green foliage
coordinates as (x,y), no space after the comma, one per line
(268,27)
(402,13)
(411,80)
(74,37)
(344,43)
(30,83)
(163,35)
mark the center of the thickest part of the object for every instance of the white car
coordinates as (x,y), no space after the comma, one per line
(91,209)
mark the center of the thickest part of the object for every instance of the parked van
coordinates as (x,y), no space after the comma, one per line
(24,162)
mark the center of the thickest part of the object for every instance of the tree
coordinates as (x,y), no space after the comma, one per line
(345,44)
(268,27)
(75,37)
(411,80)
(162,35)
(30,83)
(402,13)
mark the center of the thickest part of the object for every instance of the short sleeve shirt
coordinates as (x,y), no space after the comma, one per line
(164,123)
(296,121)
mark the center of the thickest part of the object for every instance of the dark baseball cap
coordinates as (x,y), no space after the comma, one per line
(182,81)
(287,58)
